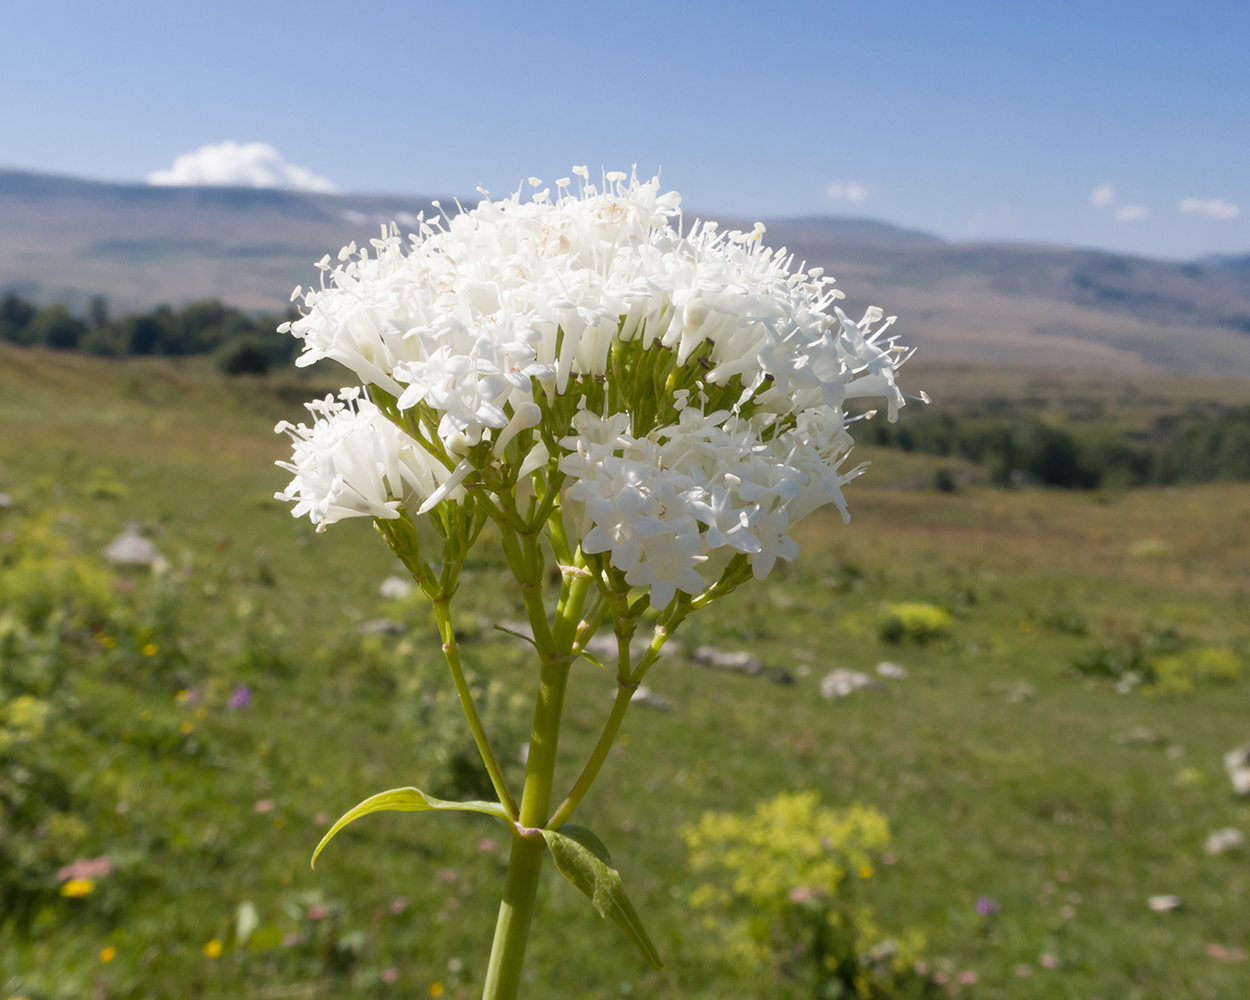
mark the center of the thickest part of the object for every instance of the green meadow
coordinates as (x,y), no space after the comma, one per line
(1052,760)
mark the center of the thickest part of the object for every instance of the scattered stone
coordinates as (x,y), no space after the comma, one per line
(381,626)
(1237,764)
(1014,692)
(1138,736)
(644,695)
(892,671)
(5,501)
(1129,680)
(723,659)
(131,549)
(395,588)
(842,682)
(1164,904)
(1174,752)
(1224,840)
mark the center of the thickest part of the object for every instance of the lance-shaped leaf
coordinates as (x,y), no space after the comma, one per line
(406,800)
(583,860)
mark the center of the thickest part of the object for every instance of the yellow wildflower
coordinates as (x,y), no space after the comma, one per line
(151,649)
(108,954)
(212,949)
(436,989)
(76,888)
(186,727)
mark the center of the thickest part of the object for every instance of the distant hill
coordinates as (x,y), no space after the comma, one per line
(66,239)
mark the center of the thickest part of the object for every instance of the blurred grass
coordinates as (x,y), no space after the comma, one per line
(1038,803)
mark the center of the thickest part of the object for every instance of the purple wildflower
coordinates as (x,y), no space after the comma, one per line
(241,697)
(987,906)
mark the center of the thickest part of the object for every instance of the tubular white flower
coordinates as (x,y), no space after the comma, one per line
(706,376)
(353,462)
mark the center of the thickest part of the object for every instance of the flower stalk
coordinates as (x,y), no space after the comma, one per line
(640,403)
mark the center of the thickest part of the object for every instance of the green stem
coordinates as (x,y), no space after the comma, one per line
(625,691)
(503,974)
(452,652)
(507,955)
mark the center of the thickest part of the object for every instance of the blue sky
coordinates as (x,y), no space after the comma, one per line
(975,120)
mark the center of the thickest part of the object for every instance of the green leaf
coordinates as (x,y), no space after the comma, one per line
(518,635)
(406,800)
(594,659)
(589,840)
(583,860)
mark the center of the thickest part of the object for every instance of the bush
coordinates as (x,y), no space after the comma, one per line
(793,874)
(915,621)
(1130,659)
(55,327)
(1180,674)
(15,316)
(244,355)
(1160,660)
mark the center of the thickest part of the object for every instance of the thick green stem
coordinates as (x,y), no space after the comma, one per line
(507,955)
(452,652)
(503,975)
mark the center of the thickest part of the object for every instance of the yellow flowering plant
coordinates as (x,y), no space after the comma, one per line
(788,896)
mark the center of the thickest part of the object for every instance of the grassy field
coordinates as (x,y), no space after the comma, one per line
(1005,774)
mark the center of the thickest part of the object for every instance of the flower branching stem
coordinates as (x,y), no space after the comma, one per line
(451,651)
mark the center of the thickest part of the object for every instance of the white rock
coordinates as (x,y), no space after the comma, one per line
(1164,904)
(724,659)
(893,671)
(1237,764)
(841,682)
(1139,736)
(1014,692)
(1224,840)
(5,501)
(395,588)
(648,697)
(131,549)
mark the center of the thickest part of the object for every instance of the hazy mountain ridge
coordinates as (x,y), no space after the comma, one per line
(67,239)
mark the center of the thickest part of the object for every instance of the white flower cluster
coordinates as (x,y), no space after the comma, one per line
(659,504)
(353,462)
(487,318)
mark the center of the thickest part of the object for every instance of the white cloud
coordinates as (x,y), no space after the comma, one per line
(852,192)
(1103,195)
(1216,208)
(1130,213)
(232,164)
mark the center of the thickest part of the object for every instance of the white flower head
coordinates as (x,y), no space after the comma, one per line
(682,387)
